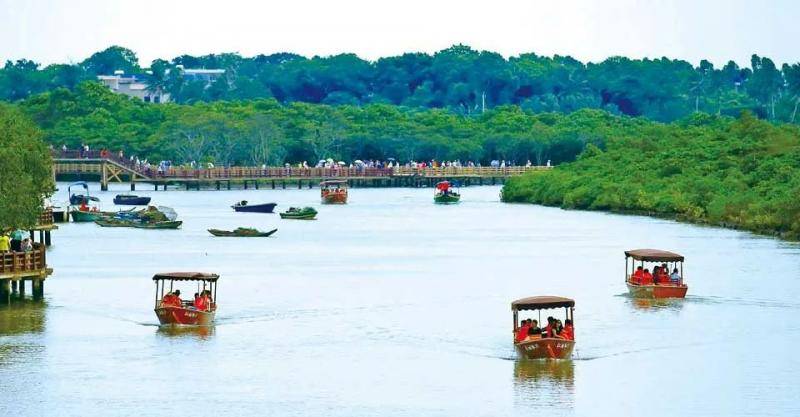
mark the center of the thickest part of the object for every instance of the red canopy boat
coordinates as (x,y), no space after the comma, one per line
(540,346)
(333,192)
(663,286)
(171,310)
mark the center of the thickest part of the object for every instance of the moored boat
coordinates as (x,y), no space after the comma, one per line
(169,224)
(86,216)
(243,206)
(642,284)
(131,200)
(171,310)
(294,213)
(333,192)
(538,343)
(241,232)
(80,199)
(446,193)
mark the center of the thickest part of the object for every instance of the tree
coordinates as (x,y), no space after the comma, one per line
(111,59)
(25,163)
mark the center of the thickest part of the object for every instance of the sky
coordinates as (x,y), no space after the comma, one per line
(50,31)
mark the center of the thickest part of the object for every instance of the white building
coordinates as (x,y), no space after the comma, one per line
(133,86)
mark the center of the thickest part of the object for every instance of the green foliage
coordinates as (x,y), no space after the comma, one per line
(459,79)
(733,172)
(256,132)
(25,170)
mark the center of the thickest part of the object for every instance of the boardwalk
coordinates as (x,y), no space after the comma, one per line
(110,168)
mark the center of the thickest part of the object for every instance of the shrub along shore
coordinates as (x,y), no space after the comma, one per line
(738,173)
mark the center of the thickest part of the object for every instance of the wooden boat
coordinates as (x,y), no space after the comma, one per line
(131,200)
(158,225)
(184,313)
(305,213)
(113,222)
(333,192)
(539,346)
(242,206)
(86,216)
(638,288)
(446,194)
(241,232)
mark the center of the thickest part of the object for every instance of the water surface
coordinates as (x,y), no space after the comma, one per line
(394,306)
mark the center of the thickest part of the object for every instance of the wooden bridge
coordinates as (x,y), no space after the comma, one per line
(110,168)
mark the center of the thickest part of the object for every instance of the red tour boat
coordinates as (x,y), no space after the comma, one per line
(333,192)
(643,284)
(539,345)
(171,310)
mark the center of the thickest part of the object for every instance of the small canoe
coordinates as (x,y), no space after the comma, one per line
(159,225)
(131,200)
(306,213)
(449,198)
(241,232)
(244,207)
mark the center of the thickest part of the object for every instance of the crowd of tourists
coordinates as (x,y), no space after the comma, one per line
(529,330)
(15,242)
(659,276)
(202,300)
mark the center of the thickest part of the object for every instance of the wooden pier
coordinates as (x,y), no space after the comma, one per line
(17,267)
(108,168)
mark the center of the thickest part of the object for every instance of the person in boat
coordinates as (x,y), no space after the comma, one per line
(558,328)
(675,278)
(522,332)
(638,275)
(177,299)
(647,277)
(208,301)
(200,302)
(568,333)
(548,330)
(534,332)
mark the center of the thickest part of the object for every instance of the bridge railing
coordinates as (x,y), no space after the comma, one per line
(20,262)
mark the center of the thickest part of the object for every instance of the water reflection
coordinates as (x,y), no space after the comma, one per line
(540,383)
(651,304)
(22,316)
(199,332)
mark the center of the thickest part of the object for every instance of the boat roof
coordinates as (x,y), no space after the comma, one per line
(79,183)
(653,255)
(186,276)
(542,302)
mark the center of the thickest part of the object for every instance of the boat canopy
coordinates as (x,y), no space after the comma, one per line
(542,302)
(186,276)
(653,255)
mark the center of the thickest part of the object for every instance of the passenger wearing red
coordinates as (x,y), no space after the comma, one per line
(568,332)
(549,330)
(647,277)
(177,299)
(199,302)
(522,332)
(638,275)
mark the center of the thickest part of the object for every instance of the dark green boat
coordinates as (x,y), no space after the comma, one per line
(159,225)
(86,216)
(106,222)
(446,193)
(305,213)
(241,232)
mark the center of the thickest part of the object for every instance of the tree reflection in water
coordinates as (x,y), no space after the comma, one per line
(23,317)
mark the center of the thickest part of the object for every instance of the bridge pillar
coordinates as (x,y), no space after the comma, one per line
(133,185)
(37,289)
(5,291)
(22,288)
(103,177)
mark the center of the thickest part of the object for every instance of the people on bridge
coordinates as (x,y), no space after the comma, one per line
(5,243)
(27,245)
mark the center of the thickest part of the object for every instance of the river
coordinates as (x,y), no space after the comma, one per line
(394,306)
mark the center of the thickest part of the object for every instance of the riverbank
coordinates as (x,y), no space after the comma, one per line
(736,173)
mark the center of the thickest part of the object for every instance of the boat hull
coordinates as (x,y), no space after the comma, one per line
(85,216)
(548,348)
(228,233)
(299,216)
(446,199)
(184,316)
(160,225)
(657,291)
(256,208)
(334,198)
(131,201)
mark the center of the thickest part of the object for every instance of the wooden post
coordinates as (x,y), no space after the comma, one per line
(103,177)
(229,184)
(47,241)
(37,289)
(133,182)
(245,184)
(13,286)
(5,291)
(22,288)
(284,184)
(299,184)
(256,182)
(217,185)
(273,184)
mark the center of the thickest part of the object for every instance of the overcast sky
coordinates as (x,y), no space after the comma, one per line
(49,31)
